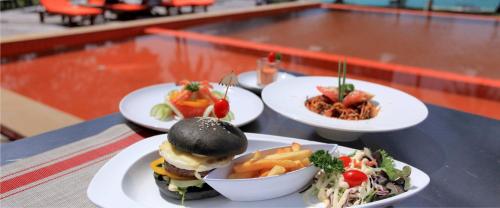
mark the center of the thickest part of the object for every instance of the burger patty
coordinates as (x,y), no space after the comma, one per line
(192,192)
(181,172)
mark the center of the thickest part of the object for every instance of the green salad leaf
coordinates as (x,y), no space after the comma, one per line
(392,172)
(322,159)
(388,165)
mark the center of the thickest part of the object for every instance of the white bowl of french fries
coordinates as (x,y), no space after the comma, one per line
(267,174)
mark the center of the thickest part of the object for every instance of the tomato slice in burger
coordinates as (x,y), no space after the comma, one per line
(157,167)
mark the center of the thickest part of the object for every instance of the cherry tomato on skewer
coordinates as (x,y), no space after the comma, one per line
(221,108)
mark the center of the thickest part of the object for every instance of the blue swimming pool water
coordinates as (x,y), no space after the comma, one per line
(451,5)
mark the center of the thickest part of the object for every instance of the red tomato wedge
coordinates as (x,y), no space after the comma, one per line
(346,160)
(354,177)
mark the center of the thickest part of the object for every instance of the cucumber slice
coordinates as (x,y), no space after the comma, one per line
(161,112)
(229,116)
(218,94)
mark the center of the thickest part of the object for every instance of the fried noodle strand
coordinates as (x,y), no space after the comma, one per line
(324,106)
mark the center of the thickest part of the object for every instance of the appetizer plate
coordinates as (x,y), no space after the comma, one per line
(398,110)
(248,80)
(126,180)
(136,106)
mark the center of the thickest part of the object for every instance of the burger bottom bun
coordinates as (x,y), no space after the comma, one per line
(193,193)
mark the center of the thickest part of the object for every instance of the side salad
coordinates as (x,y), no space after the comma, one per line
(193,99)
(359,178)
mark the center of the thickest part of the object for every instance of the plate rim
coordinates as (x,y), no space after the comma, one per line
(128,202)
(128,118)
(329,125)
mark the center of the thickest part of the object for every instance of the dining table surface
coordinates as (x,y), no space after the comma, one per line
(459,151)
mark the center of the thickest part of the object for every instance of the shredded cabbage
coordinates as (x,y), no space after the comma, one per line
(331,189)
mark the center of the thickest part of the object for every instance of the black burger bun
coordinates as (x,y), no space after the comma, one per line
(192,193)
(207,136)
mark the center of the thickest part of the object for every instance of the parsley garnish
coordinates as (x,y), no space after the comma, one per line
(193,86)
(325,161)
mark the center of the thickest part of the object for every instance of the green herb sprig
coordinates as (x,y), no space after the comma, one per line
(343,87)
(193,86)
(322,159)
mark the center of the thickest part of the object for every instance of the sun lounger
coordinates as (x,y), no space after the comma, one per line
(181,3)
(67,10)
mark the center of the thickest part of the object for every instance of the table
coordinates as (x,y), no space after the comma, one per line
(459,151)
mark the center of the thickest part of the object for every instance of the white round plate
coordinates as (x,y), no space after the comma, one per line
(126,180)
(398,110)
(248,80)
(136,106)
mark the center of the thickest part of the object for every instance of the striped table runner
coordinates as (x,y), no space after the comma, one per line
(60,177)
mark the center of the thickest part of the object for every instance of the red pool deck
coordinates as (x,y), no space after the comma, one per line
(89,81)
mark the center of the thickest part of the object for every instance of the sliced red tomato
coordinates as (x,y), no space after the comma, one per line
(354,177)
(330,92)
(346,160)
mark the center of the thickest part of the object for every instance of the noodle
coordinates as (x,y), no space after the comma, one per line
(324,106)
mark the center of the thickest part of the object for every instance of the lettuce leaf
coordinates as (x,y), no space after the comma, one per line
(392,172)
(388,165)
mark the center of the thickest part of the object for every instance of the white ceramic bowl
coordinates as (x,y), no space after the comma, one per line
(136,106)
(398,110)
(255,189)
(248,80)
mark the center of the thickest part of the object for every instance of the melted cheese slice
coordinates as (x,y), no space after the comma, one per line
(188,161)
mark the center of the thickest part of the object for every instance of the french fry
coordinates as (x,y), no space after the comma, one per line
(264,173)
(299,166)
(298,155)
(283,150)
(283,160)
(276,170)
(264,164)
(257,155)
(242,175)
(295,147)
(305,162)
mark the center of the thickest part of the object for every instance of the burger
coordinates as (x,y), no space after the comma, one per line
(194,147)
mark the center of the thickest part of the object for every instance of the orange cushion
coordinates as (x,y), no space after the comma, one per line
(188,2)
(97,2)
(75,10)
(55,4)
(127,7)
